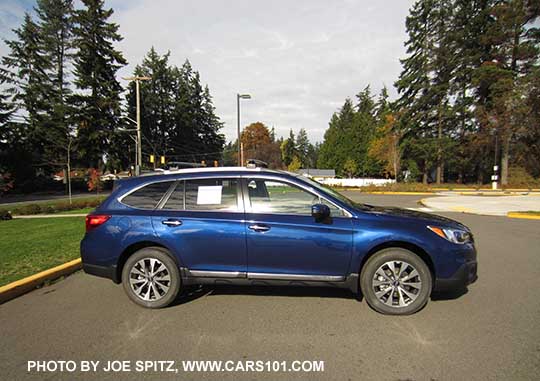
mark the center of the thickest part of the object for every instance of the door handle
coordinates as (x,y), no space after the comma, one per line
(259,227)
(171,222)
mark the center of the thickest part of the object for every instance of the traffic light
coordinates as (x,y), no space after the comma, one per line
(216,163)
(151,158)
(162,159)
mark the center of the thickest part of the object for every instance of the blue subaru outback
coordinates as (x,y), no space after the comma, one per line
(253,226)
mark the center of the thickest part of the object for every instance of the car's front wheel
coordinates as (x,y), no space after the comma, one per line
(396,281)
(151,278)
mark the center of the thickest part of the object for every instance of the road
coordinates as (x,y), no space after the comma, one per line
(490,332)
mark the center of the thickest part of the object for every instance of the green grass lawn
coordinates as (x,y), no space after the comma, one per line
(28,246)
(529,212)
(77,211)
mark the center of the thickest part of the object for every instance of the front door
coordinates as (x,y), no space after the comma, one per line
(284,240)
(203,222)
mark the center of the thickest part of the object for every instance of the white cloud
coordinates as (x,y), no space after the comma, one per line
(298,59)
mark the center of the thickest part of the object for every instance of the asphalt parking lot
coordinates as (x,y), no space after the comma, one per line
(490,332)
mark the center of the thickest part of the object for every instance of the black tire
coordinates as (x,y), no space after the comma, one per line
(171,268)
(401,256)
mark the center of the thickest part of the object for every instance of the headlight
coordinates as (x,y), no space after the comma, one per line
(453,235)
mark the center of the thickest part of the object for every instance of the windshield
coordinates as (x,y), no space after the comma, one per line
(326,189)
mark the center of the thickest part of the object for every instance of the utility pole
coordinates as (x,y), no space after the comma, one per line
(137,80)
(238,97)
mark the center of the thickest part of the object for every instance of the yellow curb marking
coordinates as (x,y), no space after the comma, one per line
(522,215)
(21,286)
(403,193)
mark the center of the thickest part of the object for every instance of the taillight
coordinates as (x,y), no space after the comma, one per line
(94,220)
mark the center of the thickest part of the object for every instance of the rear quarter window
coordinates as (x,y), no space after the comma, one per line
(148,196)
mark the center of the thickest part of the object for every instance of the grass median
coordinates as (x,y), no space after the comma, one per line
(28,246)
(52,206)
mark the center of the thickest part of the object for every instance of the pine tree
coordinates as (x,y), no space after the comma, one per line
(54,19)
(25,78)
(339,140)
(363,132)
(514,42)
(424,84)
(289,149)
(96,64)
(470,21)
(303,147)
(178,118)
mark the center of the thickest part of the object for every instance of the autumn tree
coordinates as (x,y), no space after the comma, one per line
(350,167)
(295,165)
(386,147)
(258,144)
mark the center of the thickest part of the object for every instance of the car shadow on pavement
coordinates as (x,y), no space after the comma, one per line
(191,293)
(448,295)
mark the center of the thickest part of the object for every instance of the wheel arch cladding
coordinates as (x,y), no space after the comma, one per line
(133,248)
(424,256)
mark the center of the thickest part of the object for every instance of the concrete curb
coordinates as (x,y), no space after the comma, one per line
(460,209)
(22,286)
(524,216)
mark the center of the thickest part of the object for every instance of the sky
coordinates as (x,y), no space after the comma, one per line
(299,60)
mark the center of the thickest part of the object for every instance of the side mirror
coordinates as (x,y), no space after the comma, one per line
(320,212)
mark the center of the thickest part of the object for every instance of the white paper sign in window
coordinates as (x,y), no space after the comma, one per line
(209,195)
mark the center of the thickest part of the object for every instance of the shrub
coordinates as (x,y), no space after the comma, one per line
(518,177)
(28,209)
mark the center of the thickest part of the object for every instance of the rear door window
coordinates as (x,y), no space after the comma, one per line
(148,196)
(205,195)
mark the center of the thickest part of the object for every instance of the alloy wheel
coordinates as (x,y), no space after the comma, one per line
(396,284)
(150,279)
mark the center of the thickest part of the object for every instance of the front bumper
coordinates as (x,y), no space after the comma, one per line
(465,275)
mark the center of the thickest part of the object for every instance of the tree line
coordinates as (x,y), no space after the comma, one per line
(469,99)
(62,105)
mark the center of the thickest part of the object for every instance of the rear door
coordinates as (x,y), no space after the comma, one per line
(285,242)
(202,220)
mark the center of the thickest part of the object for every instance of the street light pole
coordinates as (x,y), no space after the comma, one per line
(238,97)
(137,80)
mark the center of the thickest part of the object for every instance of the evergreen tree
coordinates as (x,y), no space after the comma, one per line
(6,141)
(339,145)
(363,132)
(25,78)
(424,84)
(288,149)
(470,21)
(54,19)
(514,42)
(303,147)
(96,63)
(178,117)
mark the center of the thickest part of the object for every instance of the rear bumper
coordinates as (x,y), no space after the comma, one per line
(108,272)
(465,275)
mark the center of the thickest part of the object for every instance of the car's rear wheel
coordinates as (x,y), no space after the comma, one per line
(396,281)
(151,278)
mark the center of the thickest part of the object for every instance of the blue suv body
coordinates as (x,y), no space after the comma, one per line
(156,234)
